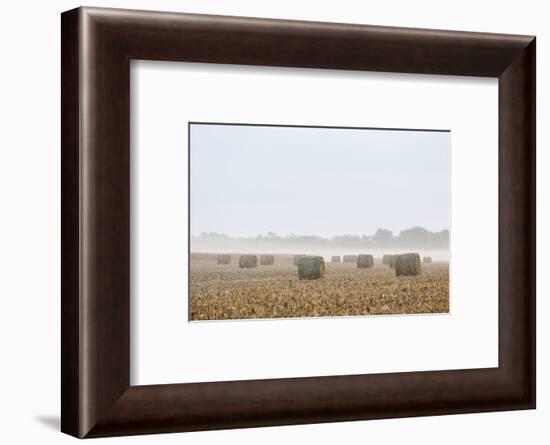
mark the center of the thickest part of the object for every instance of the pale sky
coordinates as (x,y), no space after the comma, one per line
(248,180)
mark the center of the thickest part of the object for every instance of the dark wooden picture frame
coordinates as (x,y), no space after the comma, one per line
(97,46)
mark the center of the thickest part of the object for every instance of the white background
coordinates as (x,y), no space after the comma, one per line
(30,220)
(165,96)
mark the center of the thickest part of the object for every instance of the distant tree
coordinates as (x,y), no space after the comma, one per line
(441,239)
(417,237)
(213,235)
(414,236)
(346,240)
(383,236)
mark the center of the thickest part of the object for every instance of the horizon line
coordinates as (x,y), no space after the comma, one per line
(315,235)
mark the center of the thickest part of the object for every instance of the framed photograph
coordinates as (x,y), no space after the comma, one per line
(329,180)
(270,222)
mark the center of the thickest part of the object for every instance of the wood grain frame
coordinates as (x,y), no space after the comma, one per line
(97,46)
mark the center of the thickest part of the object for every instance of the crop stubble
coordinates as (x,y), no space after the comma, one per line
(221,292)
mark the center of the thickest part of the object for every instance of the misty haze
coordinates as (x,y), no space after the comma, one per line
(435,244)
(357,218)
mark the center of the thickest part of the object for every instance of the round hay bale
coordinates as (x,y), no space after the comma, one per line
(223,258)
(427,259)
(311,267)
(267,260)
(246,261)
(335,259)
(365,261)
(392,261)
(407,264)
(350,258)
(297,259)
(386,259)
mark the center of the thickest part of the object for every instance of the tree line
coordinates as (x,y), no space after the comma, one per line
(382,238)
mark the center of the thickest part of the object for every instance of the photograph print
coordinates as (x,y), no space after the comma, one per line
(302,221)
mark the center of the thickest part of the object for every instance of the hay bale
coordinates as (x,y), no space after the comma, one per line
(311,267)
(267,260)
(246,261)
(427,259)
(335,259)
(297,259)
(365,261)
(392,261)
(407,264)
(350,258)
(386,259)
(223,258)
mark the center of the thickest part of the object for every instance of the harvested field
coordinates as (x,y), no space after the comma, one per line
(221,292)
